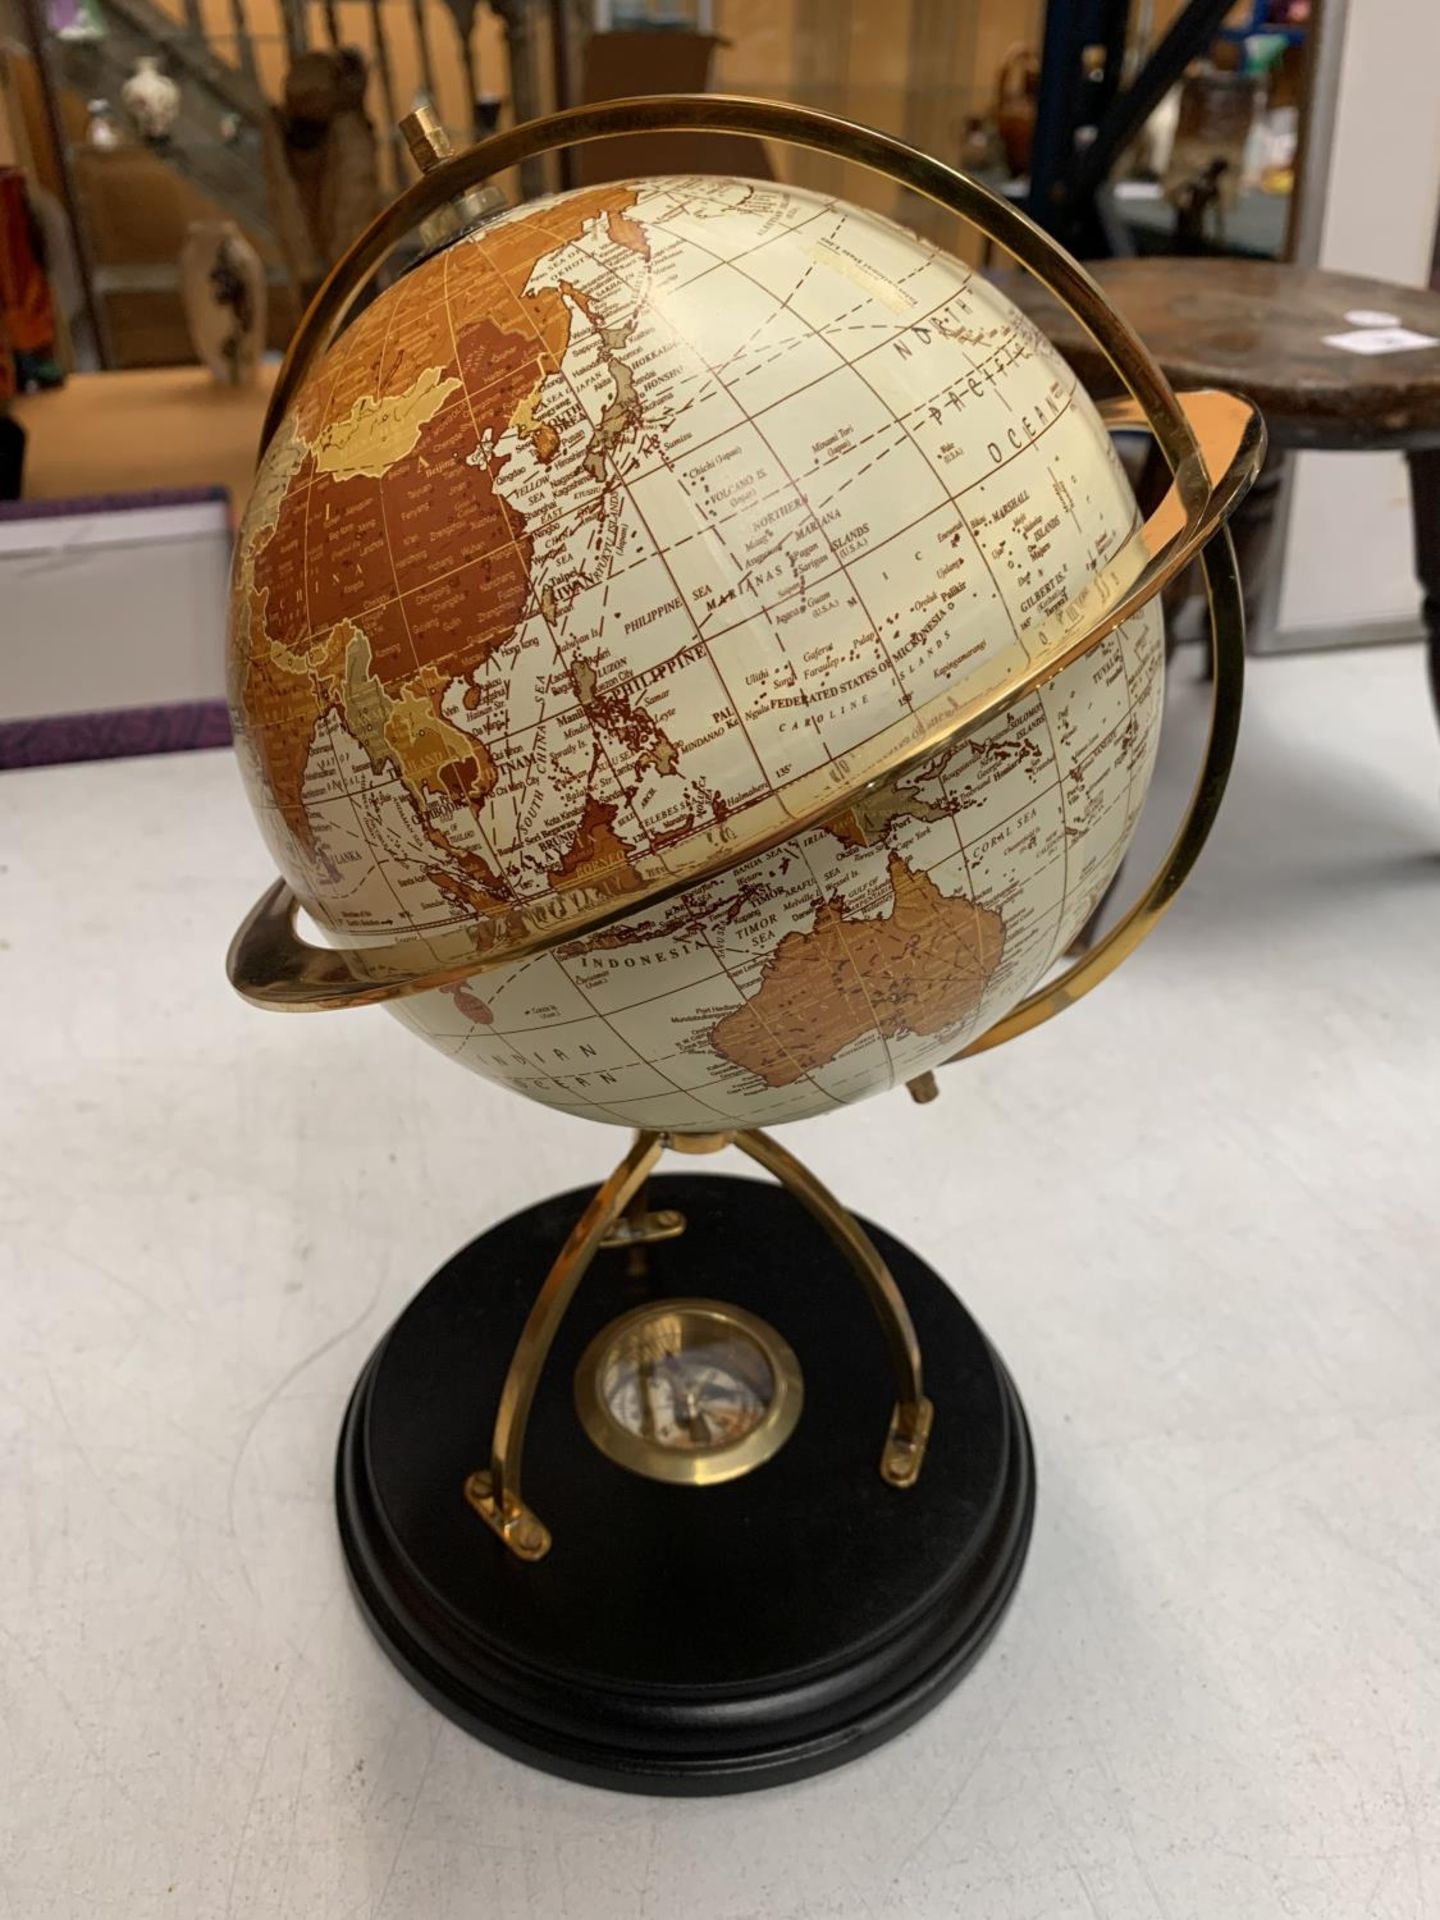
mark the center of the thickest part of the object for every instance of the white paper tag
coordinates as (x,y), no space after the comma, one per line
(1371,317)
(1381,340)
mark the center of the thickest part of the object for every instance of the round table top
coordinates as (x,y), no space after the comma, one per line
(1261,327)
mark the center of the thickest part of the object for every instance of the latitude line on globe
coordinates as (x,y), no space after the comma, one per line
(902,422)
(811,514)
(754,418)
(956,497)
(785,399)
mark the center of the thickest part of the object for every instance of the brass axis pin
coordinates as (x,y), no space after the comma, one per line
(430,146)
(426,138)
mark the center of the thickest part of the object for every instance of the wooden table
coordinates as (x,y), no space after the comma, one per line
(1260,327)
(140,431)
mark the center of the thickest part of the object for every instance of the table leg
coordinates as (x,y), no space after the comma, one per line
(1425,504)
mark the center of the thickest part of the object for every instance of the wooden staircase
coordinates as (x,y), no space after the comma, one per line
(130,206)
(217,98)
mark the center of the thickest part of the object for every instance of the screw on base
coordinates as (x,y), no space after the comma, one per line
(642,1228)
(905,1446)
(430,146)
(526,1535)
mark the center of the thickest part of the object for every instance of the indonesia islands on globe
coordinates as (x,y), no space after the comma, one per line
(613,521)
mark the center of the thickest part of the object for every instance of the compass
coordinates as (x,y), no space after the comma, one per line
(689,1391)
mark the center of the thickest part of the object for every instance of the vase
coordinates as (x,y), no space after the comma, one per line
(152,99)
(222,285)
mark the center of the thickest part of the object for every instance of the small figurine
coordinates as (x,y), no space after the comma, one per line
(152,100)
(1193,200)
(101,130)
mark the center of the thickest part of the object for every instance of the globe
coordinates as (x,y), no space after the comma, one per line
(612,524)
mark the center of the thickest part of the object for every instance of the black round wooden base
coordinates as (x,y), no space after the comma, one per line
(685,1639)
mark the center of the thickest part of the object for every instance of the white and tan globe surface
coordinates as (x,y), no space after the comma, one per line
(609,524)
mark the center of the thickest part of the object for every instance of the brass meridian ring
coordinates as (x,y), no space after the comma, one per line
(1213,443)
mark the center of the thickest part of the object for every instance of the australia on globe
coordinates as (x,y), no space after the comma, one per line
(612,526)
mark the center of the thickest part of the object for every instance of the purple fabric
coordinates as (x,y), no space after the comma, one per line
(114,735)
(109,502)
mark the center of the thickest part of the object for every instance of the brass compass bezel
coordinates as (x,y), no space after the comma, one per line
(690,1466)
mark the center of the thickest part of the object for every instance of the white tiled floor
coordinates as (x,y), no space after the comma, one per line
(1200,1215)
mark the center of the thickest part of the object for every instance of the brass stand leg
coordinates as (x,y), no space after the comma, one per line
(910,1424)
(496,1495)
(617,1217)
(629,1229)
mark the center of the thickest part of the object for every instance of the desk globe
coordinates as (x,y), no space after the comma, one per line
(678,660)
